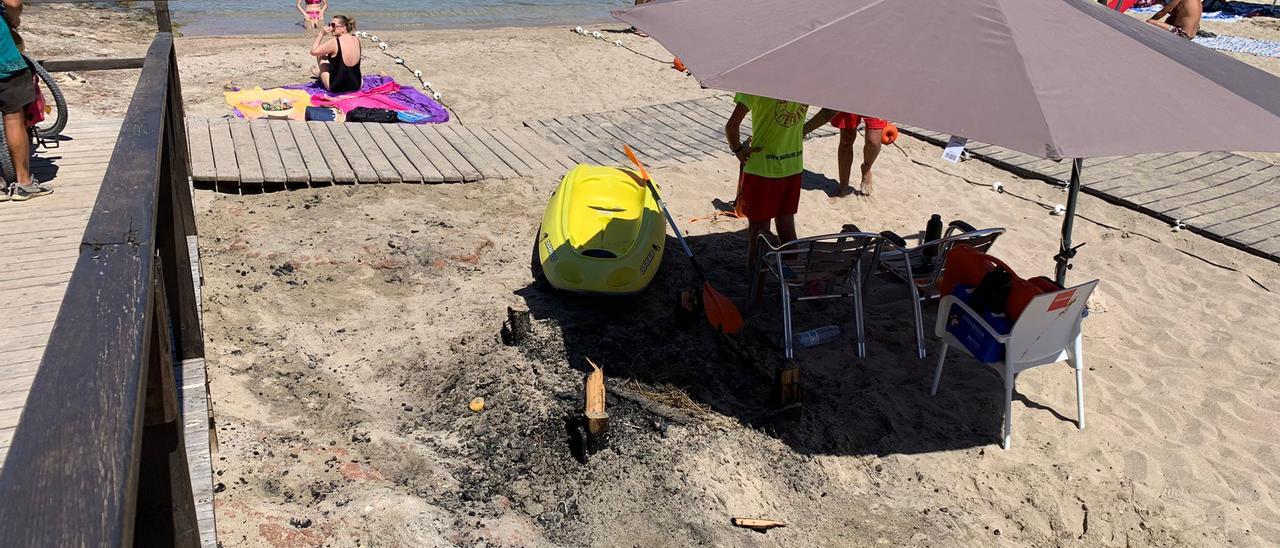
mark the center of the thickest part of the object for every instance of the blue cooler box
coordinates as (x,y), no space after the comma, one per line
(968,330)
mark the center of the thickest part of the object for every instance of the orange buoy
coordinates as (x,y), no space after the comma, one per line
(679,65)
(890,133)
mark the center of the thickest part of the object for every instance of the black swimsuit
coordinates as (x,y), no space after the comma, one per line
(343,79)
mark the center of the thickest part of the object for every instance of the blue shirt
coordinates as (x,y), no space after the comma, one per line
(11,61)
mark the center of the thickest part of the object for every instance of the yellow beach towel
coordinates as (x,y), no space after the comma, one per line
(249,102)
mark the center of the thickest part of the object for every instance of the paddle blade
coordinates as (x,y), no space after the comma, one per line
(721,312)
(632,154)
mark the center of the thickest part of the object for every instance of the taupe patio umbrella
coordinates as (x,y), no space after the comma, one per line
(1052,78)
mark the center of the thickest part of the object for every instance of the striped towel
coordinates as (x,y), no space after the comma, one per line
(1224,16)
(1238,44)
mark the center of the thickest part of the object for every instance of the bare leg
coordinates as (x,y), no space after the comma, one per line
(15,131)
(786,225)
(844,157)
(870,150)
(322,72)
(754,230)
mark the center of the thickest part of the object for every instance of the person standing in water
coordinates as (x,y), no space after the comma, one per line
(312,12)
(338,60)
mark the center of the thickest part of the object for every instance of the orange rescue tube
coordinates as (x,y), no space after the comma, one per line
(890,133)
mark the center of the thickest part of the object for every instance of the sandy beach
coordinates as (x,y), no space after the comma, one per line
(348,327)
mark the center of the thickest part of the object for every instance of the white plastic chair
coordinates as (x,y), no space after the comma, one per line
(1048,331)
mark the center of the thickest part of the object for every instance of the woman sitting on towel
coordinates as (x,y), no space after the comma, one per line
(338,60)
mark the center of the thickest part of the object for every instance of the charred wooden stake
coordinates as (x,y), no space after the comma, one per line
(787,390)
(689,306)
(597,418)
(517,327)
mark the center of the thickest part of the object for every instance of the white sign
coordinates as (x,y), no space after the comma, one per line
(955,148)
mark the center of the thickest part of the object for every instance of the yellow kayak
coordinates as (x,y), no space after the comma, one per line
(602,233)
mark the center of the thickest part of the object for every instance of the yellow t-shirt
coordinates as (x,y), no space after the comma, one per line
(778,127)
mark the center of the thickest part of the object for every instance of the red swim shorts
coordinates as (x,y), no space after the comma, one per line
(765,198)
(844,120)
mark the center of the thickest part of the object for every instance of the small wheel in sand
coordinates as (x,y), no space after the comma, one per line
(535,264)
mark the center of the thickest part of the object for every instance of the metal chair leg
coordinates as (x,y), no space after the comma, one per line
(915,308)
(857,316)
(937,373)
(788,338)
(1077,361)
(1008,412)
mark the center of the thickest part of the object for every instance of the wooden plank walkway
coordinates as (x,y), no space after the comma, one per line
(34,274)
(243,156)
(1223,196)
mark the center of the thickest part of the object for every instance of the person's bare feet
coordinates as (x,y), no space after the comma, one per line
(866,180)
(844,190)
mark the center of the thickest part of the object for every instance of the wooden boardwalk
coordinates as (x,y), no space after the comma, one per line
(671,133)
(245,156)
(44,238)
(1223,196)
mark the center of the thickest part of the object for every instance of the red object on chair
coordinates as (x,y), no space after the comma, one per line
(967,266)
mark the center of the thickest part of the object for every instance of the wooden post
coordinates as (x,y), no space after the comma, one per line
(166,510)
(788,390)
(597,418)
(163,23)
(174,213)
(182,154)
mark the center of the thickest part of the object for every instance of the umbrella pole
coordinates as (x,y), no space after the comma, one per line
(1066,252)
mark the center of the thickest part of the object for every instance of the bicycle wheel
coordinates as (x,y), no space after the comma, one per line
(6,161)
(49,128)
(7,171)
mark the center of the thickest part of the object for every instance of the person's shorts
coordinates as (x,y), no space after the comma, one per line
(765,198)
(845,120)
(1177,31)
(16,92)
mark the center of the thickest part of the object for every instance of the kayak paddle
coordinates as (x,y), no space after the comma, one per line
(721,312)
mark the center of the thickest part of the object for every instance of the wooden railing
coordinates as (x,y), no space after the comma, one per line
(98,457)
(164,24)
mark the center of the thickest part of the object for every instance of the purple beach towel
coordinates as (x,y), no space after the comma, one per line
(410,98)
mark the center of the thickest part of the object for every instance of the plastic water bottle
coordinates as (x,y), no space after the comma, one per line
(815,337)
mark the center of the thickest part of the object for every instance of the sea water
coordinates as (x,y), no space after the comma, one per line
(234,17)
